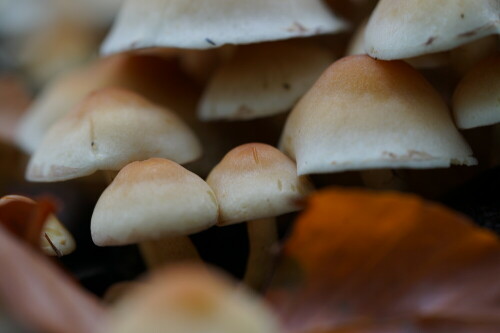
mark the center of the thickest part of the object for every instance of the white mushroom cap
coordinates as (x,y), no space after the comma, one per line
(364,113)
(278,73)
(61,241)
(202,24)
(109,129)
(255,181)
(151,200)
(191,299)
(476,101)
(402,29)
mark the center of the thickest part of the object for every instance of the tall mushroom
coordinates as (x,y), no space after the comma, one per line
(156,203)
(254,183)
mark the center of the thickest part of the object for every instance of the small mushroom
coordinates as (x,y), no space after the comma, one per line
(262,80)
(254,183)
(109,129)
(204,24)
(403,29)
(191,299)
(55,239)
(156,203)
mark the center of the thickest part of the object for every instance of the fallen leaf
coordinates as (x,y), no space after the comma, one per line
(360,261)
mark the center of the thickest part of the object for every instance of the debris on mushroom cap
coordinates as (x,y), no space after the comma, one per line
(143,74)
(476,101)
(204,24)
(402,29)
(150,200)
(278,73)
(431,60)
(107,131)
(255,181)
(55,239)
(362,114)
(191,299)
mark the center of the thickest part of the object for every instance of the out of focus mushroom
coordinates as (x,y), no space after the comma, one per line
(403,29)
(207,24)
(254,183)
(156,203)
(55,239)
(106,132)
(191,299)
(262,80)
(362,114)
(476,101)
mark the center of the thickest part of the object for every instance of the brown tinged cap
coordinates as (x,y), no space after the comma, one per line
(476,101)
(191,299)
(255,181)
(109,129)
(362,114)
(150,200)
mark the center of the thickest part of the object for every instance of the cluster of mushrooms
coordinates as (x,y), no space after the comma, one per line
(215,112)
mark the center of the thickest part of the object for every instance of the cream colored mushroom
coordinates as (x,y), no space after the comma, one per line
(55,239)
(254,183)
(156,203)
(191,299)
(203,24)
(262,80)
(402,29)
(109,129)
(476,101)
(364,113)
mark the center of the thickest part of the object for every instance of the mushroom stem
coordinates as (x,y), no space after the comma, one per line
(382,179)
(262,236)
(157,253)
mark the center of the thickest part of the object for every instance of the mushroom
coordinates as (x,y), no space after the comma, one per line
(204,24)
(364,113)
(191,299)
(262,80)
(476,101)
(109,129)
(55,239)
(156,203)
(402,29)
(255,183)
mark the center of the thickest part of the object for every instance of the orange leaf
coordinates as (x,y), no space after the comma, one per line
(361,261)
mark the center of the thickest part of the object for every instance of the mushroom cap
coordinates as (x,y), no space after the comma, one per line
(53,229)
(364,113)
(109,129)
(255,181)
(277,72)
(151,200)
(403,29)
(203,24)
(191,299)
(476,101)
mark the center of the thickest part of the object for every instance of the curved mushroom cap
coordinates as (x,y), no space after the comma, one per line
(278,73)
(364,113)
(203,24)
(191,299)
(109,129)
(255,181)
(150,200)
(55,239)
(476,101)
(402,29)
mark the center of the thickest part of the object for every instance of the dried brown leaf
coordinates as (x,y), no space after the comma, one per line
(386,262)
